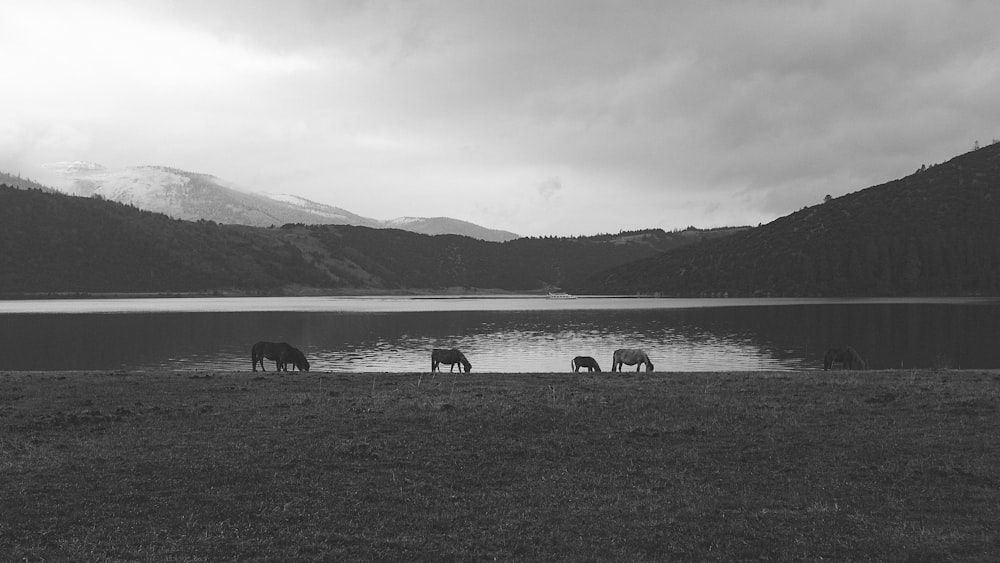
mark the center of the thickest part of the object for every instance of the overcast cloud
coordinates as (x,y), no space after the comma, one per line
(539,117)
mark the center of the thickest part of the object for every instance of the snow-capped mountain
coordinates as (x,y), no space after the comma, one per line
(192,196)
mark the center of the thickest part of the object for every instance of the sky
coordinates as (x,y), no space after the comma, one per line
(541,117)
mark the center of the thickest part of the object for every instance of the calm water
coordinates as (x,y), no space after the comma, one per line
(511,334)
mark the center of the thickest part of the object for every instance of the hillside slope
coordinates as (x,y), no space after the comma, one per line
(59,243)
(55,243)
(936,232)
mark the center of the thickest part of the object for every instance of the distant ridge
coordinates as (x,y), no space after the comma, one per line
(935,232)
(194,196)
(448,226)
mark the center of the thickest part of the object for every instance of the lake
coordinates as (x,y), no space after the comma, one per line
(498,334)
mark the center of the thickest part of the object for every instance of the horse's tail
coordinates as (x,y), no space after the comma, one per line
(254,356)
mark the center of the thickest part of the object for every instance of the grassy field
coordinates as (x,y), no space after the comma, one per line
(888,465)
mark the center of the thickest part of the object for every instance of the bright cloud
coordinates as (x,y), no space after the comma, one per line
(554,117)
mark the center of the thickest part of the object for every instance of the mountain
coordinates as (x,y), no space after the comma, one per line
(448,226)
(422,225)
(935,232)
(193,196)
(322,214)
(52,243)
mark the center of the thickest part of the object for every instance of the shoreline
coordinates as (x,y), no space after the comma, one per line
(899,372)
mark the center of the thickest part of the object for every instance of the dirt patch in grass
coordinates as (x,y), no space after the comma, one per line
(892,465)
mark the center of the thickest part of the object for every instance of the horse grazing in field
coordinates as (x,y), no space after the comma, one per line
(585,362)
(442,356)
(847,357)
(632,357)
(282,353)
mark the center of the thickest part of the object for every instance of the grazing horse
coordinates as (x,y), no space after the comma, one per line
(633,357)
(281,352)
(847,357)
(452,357)
(585,362)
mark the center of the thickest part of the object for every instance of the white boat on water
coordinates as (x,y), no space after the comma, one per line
(561,296)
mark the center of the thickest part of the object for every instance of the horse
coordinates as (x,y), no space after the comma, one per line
(585,362)
(281,353)
(847,357)
(632,357)
(452,357)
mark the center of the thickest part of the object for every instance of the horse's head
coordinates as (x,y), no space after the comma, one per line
(299,359)
(467,365)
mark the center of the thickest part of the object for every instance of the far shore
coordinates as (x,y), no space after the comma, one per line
(218,465)
(285,292)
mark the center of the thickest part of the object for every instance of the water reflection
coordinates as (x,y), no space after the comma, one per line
(783,336)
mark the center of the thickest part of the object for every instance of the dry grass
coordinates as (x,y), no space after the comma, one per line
(737,466)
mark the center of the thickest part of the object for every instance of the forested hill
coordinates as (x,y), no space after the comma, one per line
(16,181)
(936,232)
(54,243)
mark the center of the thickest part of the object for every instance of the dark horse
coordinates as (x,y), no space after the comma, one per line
(633,357)
(452,356)
(847,357)
(282,353)
(585,362)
